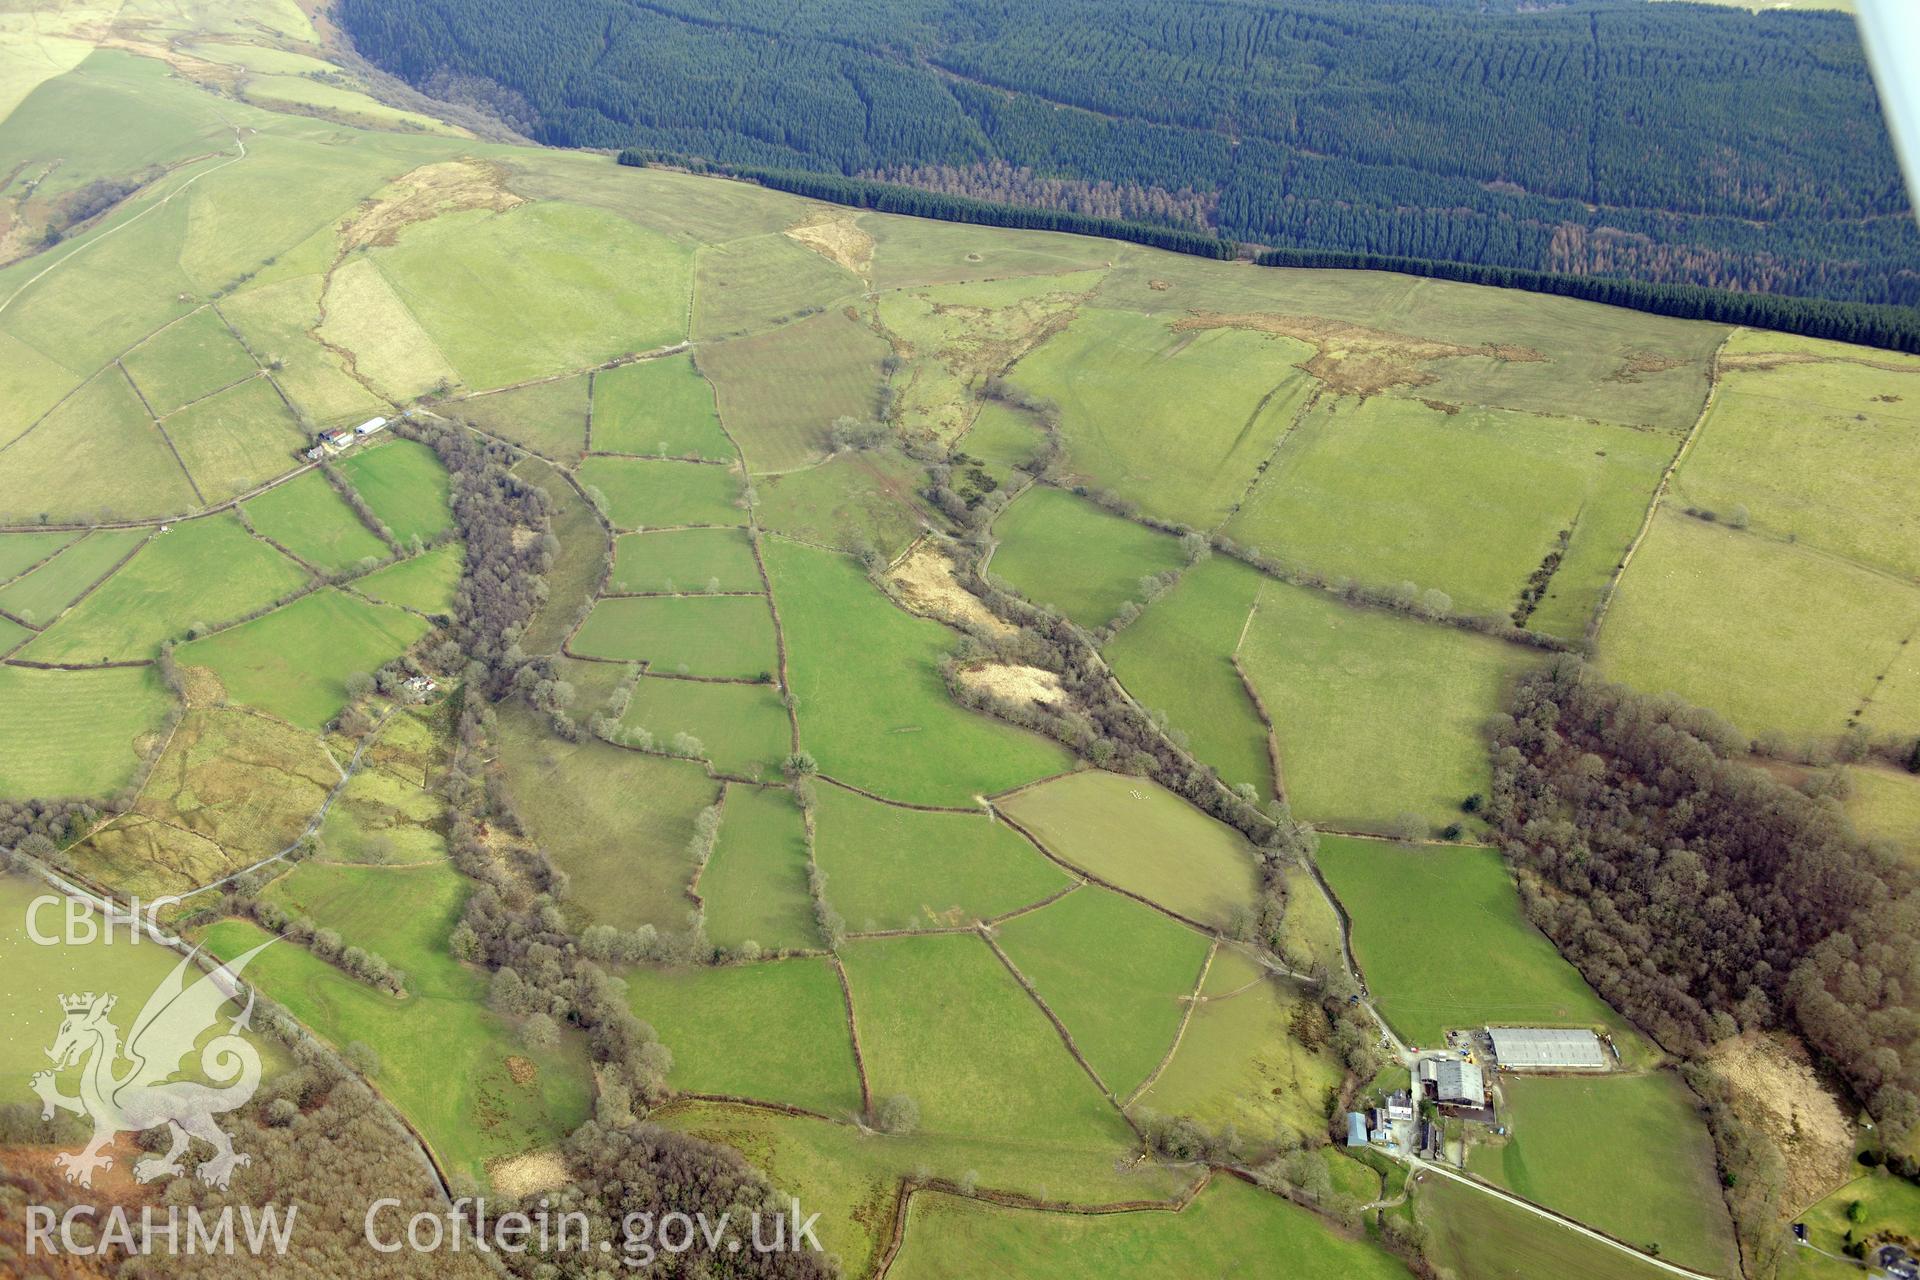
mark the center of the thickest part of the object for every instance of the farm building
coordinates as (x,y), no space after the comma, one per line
(1399,1106)
(1356,1129)
(1547,1048)
(339,438)
(370,426)
(1459,1083)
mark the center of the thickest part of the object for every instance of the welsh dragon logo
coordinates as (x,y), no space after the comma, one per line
(128,1087)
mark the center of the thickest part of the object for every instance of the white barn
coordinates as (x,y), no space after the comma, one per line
(370,426)
(1547,1049)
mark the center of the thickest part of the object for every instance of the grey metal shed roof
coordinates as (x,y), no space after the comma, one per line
(1546,1047)
(1460,1081)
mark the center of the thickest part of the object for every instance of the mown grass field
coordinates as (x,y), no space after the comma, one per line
(75,733)
(743,728)
(548,418)
(658,408)
(185,361)
(1059,550)
(1377,715)
(425,582)
(402,914)
(1230,1229)
(404,484)
(1439,934)
(775,1031)
(1629,1154)
(755,885)
(684,560)
(1773,636)
(1143,838)
(779,392)
(886,721)
(294,662)
(725,636)
(894,868)
(648,494)
(310,519)
(1477,1235)
(39,596)
(1115,972)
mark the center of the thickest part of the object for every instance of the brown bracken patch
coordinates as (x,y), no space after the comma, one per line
(1775,1089)
(925,582)
(1354,359)
(450,186)
(1015,682)
(1640,363)
(835,236)
(1159,286)
(522,1070)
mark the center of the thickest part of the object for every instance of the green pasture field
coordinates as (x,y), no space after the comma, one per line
(1002,437)
(1231,1229)
(96,455)
(1893,705)
(307,517)
(850,501)
(647,494)
(425,582)
(236,440)
(187,360)
(1385,490)
(294,662)
(75,733)
(616,821)
(726,636)
(743,728)
(1177,423)
(402,914)
(942,1021)
(404,484)
(1439,934)
(1477,1235)
(779,392)
(1885,805)
(548,418)
(12,635)
(1629,1154)
(274,317)
(1117,973)
(851,1177)
(773,1031)
(922,251)
(392,353)
(1775,637)
(886,722)
(1891,1206)
(584,550)
(31,384)
(541,289)
(20,552)
(199,572)
(1177,658)
(660,407)
(1143,838)
(1240,1063)
(39,596)
(1377,715)
(894,868)
(755,884)
(446,1061)
(1820,452)
(748,285)
(1059,550)
(1747,342)
(684,560)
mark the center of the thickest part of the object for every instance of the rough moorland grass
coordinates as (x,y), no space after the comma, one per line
(1116,972)
(21,551)
(405,485)
(779,392)
(541,289)
(743,728)
(913,251)
(1477,1235)
(445,1060)
(850,501)
(97,454)
(1770,635)
(1137,835)
(577,569)
(1231,1229)
(424,582)
(885,721)
(729,636)
(774,1031)
(1002,438)
(1424,979)
(942,1021)
(755,885)
(1177,658)
(1059,550)
(200,572)
(1820,452)
(658,408)
(1377,715)
(41,595)
(384,818)
(616,821)
(75,733)
(294,662)
(1240,1062)
(1175,422)
(684,560)
(648,494)
(187,360)
(748,285)
(1386,490)
(309,518)
(893,868)
(1628,1154)
(549,418)
(237,440)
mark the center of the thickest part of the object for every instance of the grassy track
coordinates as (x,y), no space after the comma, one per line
(1059,550)
(755,885)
